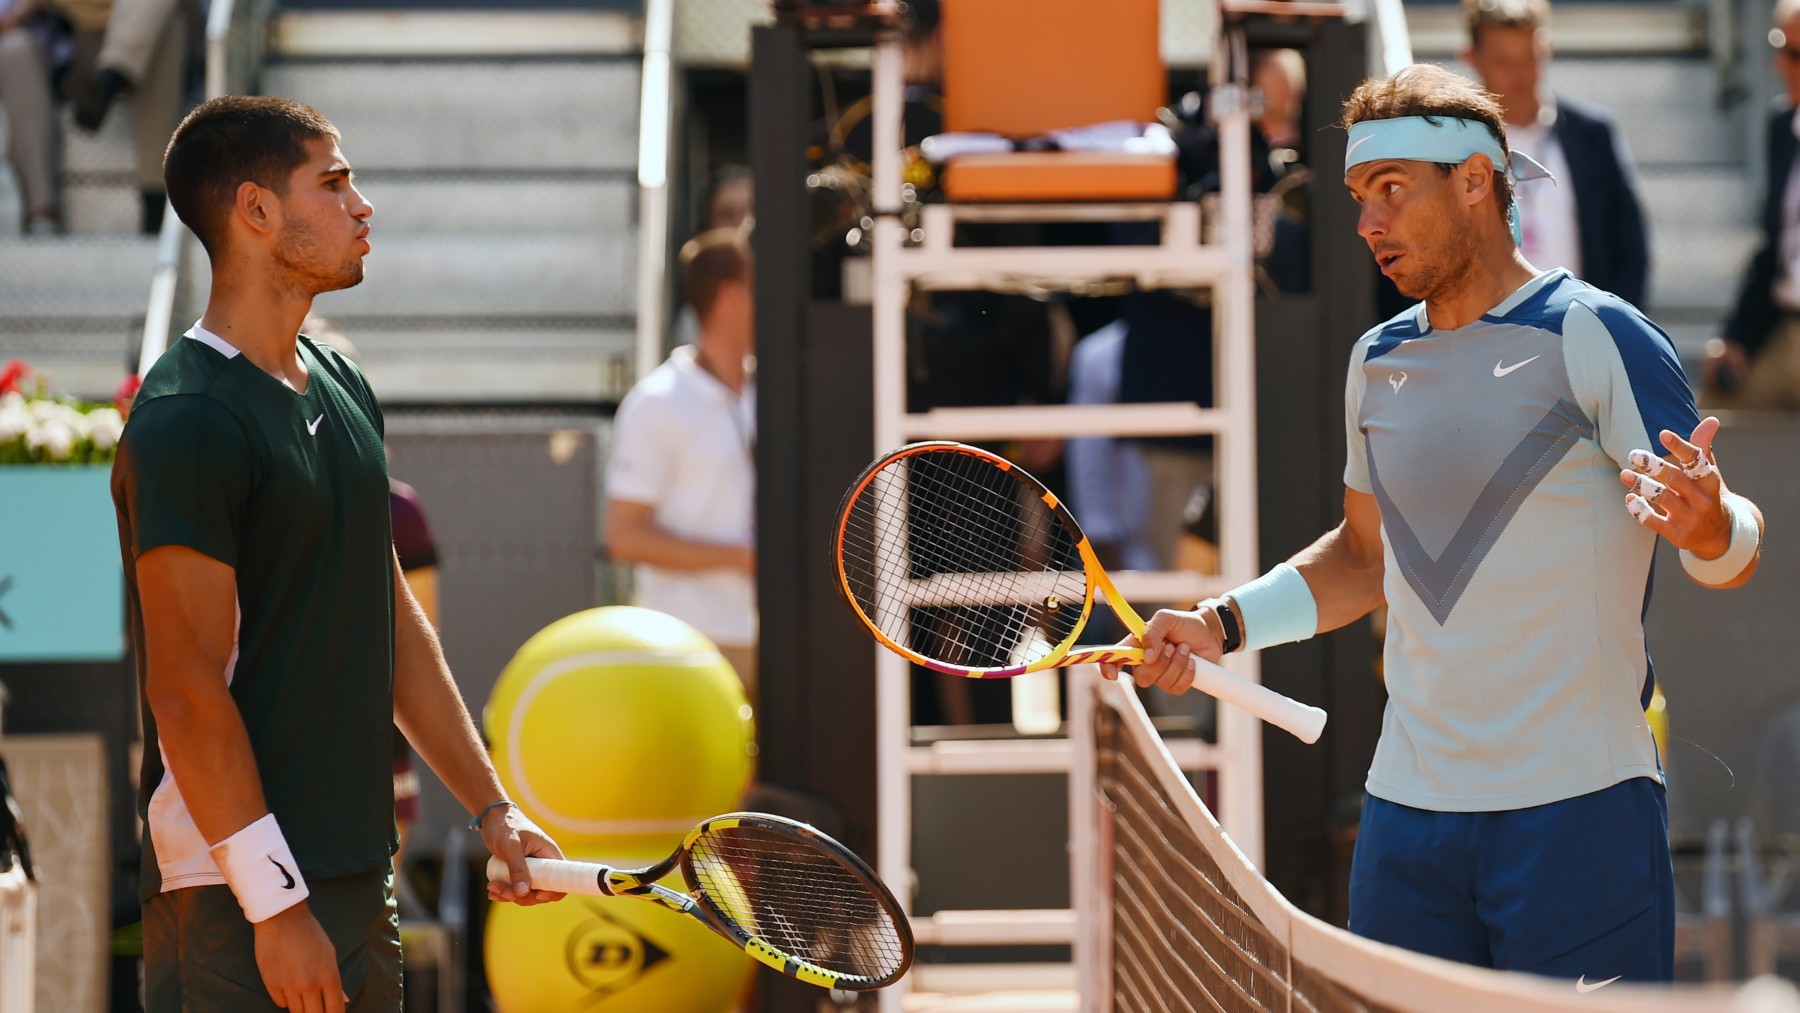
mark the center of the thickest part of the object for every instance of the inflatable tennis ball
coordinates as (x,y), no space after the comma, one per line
(610,955)
(1658,716)
(618,729)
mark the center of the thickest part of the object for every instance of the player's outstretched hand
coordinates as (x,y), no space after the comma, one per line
(298,963)
(1679,496)
(1169,643)
(511,837)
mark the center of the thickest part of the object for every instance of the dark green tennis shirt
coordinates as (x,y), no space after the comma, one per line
(290,490)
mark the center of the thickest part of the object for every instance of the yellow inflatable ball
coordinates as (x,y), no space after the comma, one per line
(609,955)
(617,729)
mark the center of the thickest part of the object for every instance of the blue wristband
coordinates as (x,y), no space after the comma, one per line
(1276,608)
(475,824)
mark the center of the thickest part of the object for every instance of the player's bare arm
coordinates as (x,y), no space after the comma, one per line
(189,626)
(1682,496)
(633,536)
(430,711)
(1343,570)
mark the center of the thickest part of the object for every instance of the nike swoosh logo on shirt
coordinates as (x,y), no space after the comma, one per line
(1500,370)
(312,428)
(1581,983)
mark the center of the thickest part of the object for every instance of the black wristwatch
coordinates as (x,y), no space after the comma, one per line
(1228,621)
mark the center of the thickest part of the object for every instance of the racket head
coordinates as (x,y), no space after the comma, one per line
(963,562)
(797,901)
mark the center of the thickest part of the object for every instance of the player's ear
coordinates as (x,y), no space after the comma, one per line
(1477,178)
(255,207)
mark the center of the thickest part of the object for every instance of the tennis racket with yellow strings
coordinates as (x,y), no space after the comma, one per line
(787,894)
(959,560)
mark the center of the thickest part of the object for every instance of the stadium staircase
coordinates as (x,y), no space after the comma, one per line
(72,305)
(499,150)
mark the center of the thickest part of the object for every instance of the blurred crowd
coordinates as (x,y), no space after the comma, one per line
(89,54)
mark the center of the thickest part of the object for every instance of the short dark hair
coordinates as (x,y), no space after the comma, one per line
(722,178)
(1428,90)
(232,140)
(1479,14)
(708,261)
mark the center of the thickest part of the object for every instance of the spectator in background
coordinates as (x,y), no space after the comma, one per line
(1280,76)
(729,194)
(726,204)
(138,47)
(1589,219)
(681,486)
(1756,363)
(1109,483)
(25,41)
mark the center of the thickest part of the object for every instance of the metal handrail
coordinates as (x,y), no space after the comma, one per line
(236,41)
(655,145)
(1392,40)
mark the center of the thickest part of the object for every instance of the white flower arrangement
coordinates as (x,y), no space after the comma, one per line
(37,427)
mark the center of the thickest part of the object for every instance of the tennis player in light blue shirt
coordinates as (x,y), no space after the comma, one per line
(1517,442)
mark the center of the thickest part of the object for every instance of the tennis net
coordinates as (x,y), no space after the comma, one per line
(1173,919)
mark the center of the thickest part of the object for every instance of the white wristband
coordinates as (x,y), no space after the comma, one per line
(1276,608)
(260,869)
(1745,539)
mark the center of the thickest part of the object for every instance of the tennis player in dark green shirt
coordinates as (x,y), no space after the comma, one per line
(275,639)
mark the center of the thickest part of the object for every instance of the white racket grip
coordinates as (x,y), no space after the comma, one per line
(1303,721)
(555,875)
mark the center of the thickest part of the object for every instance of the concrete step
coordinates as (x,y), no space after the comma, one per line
(84,275)
(473,114)
(1699,268)
(493,274)
(109,149)
(437,360)
(1679,196)
(1609,27)
(1677,81)
(585,203)
(1658,136)
(1672,82)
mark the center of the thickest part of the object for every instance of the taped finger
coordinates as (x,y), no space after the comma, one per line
(1649,488)
(1641,510)
(1699,467)
(1645,462)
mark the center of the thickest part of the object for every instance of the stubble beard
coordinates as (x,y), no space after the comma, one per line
(1449,272)
(298,257)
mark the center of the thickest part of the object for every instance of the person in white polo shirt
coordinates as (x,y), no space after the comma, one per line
(681,486)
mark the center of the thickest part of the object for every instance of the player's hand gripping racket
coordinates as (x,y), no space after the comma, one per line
(790,896)
(958,560)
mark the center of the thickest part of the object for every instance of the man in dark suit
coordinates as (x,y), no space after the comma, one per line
(1756,362)
(1590,220)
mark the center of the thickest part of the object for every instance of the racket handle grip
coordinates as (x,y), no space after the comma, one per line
(555,875)
(1303,721)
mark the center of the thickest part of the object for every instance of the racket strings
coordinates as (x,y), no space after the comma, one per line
(962,562)
(981,533)
(800,899)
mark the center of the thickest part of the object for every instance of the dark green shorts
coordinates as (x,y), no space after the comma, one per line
(200,953)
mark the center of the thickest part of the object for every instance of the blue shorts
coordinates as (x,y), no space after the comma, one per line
(1581,889)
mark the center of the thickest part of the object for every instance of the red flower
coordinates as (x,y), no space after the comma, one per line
(126,393)
(10,377)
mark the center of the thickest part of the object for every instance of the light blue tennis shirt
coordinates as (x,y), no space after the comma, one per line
(1516,581)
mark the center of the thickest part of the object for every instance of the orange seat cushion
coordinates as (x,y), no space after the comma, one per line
(1059,176)
(1023,69)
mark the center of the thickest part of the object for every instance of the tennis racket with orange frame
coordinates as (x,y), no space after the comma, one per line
(961,561)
